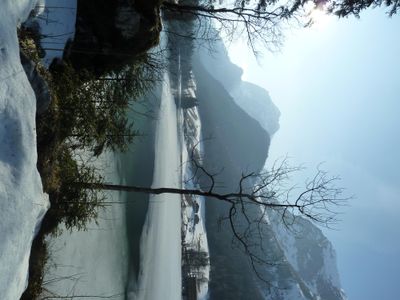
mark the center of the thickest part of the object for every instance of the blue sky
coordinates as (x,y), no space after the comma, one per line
(338,89)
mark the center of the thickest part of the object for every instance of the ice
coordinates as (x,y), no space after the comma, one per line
(160,275)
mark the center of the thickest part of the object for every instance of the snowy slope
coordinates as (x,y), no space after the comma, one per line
(310,255)
(22,202)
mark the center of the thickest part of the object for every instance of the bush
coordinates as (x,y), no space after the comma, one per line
(92,111)
(72,204)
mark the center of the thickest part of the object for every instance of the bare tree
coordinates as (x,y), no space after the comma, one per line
(261,20)
(258,194)
(260,23)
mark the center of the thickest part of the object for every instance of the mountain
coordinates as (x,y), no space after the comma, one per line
(238,120)
(228,134)
(311,257)
(253,99)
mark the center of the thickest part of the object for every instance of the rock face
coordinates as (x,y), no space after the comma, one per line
(310,256)
(109,34)
(257,103)
(253,99)
(229,133)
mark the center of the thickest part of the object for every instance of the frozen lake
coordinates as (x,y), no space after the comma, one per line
(160,265)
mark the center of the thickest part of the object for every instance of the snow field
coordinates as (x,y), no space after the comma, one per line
(22,201)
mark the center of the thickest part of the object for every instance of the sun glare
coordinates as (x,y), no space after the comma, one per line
(319,18)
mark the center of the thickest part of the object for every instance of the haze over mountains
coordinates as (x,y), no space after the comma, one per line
(240,118)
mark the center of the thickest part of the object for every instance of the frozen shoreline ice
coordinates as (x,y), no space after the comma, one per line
(160,271)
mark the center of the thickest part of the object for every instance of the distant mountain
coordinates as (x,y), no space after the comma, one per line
(253,99)
(233,142)
(257,103)
(310,257)
(238,119)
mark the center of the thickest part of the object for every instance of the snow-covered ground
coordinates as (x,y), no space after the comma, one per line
(22,202)
(193,207)
(196,237)
(160,274)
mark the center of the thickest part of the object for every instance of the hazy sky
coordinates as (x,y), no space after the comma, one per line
(338,89)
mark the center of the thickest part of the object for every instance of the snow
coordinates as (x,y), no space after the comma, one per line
(196,238)
(258,104)
(160,272)
(195,235)
(22,201)
(329,264)
(293,293)
(306,248)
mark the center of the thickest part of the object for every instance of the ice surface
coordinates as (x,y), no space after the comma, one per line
(160,274)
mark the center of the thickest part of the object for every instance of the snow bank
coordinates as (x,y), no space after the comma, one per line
(22,202)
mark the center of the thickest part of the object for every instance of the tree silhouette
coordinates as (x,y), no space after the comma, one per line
(256,195)
(261,20)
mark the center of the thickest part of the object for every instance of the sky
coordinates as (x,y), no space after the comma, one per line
(337,86)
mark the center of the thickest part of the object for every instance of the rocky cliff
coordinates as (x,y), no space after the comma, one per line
(110,34)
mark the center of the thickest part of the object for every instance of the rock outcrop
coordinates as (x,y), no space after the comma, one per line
(110,34)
